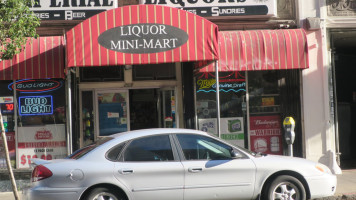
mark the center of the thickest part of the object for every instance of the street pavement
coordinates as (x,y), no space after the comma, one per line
(345,190)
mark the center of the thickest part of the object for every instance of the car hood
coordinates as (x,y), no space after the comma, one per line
(278,163)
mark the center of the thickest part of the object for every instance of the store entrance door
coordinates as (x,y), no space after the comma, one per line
(152,108)
(112,108)
(108,111)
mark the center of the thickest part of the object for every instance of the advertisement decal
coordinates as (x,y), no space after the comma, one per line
(266,134)
(46,142)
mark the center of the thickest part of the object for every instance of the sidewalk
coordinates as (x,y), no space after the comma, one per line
(346,188)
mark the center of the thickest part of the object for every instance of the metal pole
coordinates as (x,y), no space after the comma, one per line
(195,104)
(217,98)
(69,113)
(290,150)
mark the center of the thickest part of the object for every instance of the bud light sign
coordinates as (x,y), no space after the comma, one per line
(36,105)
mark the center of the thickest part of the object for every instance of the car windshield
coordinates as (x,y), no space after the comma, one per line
(81,152)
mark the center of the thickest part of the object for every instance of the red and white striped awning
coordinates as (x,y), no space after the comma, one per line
(41,58)
(83,48)
(261,50)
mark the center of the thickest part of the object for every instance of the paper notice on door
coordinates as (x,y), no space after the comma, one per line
(113,115)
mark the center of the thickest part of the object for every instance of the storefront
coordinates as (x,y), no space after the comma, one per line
(259,79)
(33,103)
(130,68)
(148,66)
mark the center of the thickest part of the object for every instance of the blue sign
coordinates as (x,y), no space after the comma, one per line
(36,105)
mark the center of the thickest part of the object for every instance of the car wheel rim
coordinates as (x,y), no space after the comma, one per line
(286,191)
(105,196)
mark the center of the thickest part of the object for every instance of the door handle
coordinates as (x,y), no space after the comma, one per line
(126,171)
(195,169)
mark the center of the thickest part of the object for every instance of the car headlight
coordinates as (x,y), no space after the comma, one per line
(323,168)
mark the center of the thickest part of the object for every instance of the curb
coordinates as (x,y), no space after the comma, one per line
(351,196)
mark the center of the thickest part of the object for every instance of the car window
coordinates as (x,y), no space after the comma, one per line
(83,151)
(114,153)
(198,147)
(153,148)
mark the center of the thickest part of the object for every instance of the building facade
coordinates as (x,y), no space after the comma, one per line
(270,59)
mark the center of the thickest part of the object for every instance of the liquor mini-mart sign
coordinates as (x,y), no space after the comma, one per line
(211,8)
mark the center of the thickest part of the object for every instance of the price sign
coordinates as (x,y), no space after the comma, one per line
(26,159)
(7,108)
(43,142)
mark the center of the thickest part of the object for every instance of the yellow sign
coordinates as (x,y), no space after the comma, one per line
(268,101)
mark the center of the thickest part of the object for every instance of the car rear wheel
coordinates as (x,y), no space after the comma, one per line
(285,188)
(103,194)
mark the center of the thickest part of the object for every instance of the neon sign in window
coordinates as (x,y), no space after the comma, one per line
(36,105)
(7,108)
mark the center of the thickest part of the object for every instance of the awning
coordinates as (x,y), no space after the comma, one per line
(141,34)
(261,50)
(41,58)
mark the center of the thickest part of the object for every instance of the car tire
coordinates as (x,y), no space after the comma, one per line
(103,193)
(285,187)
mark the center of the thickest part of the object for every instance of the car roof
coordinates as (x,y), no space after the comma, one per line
(156,131)
(129,135)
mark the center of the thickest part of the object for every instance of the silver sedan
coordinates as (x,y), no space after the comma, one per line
(176,164)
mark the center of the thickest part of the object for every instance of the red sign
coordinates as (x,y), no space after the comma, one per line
(266,134)
(43,135)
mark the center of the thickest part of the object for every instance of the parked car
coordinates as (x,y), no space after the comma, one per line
(176,164)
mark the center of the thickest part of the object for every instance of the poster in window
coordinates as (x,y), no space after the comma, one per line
(208,125)
(46,142)
(266,134)
(232,130)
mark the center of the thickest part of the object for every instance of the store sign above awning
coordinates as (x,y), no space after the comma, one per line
(215,8)
(70,9)
(142,34)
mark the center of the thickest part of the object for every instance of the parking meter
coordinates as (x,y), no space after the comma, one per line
(289,135)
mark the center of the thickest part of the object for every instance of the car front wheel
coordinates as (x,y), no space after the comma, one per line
(103,194)
(285,188)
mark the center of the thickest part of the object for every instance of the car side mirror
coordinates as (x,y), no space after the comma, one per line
(236,154)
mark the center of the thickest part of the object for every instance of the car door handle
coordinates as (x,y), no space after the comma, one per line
(126,171)
(195,169)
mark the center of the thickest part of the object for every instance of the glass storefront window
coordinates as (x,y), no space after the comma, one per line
(87,117)
(41,131)
(232,105)
(40,102)
(101,74)
(265,119)
(273,95)
(156,72)
(7,111)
